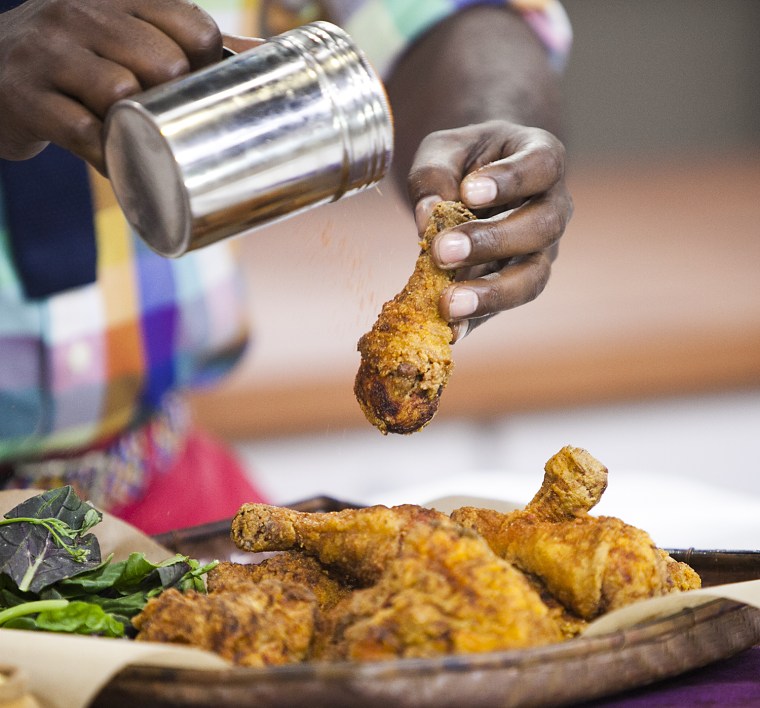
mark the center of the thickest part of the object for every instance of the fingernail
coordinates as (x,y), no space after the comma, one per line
(423,209)
(479,190)
(459,330)
(452,248)
(463,303)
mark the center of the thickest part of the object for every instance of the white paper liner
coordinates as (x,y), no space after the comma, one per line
(747,592)
(67,671)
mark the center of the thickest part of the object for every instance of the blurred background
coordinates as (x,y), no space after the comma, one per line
(644,348)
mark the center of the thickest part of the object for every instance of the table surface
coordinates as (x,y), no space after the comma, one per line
(655,293)
(728,683)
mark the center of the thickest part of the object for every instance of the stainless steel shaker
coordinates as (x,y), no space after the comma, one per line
(298,121)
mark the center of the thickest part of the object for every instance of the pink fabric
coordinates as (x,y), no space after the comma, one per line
(206,483)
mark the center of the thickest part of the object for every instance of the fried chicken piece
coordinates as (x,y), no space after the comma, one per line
(356,542)
(430,586)
(682,575)
(590,564)
(406,356)
(288,567)
(445,592)
(230,577)
(573,484)
(569,623)
(269,624)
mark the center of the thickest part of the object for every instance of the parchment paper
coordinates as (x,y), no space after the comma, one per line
(68,671)
(747,592)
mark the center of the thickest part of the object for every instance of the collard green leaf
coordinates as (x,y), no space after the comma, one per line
(123,605)
(21,623)
(59,503)
(80,618)
(170,574)
(96,580)
(193,579)
(10,595)
(45,539)
(139,572)
(134,574)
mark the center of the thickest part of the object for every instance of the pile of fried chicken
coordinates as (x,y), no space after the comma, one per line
(380,583)
(406,357)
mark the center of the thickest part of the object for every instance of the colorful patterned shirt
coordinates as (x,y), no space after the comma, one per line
(82,365)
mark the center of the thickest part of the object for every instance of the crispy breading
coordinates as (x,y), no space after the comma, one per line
(356,542)
(269,624)
(570,624)
(590,564)
(573,483)
(431,586)
(230,577)
(681,576)
(288,567)
(406,357)
(445,592)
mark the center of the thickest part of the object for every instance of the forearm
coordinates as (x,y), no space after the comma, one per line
(482,64)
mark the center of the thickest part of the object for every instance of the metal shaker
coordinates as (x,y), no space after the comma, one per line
(298,121)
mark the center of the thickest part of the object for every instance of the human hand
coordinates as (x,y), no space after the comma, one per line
(63,63)
(513,178)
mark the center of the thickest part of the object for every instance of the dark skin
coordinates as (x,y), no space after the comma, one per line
(460,121)
(63,63)
(461,117)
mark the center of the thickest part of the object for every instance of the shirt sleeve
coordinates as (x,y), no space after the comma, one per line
(385,28)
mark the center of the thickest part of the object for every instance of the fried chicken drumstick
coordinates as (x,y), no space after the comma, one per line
(590,564)
(406,356)
(356,542)
(429,585)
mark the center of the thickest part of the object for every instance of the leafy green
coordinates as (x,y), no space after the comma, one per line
(68,588)
(46,538)
(81,618)
(29,608)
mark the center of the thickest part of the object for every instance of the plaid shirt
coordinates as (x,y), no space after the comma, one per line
(82,365)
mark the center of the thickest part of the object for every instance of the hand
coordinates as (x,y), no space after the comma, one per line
(63,63)
(513,178)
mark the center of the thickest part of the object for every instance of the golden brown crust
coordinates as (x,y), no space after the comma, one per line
(445,592)
(271,623)
(590,564)
(357,543)
(574,482)
(406,356)
(429,586)
(287,567)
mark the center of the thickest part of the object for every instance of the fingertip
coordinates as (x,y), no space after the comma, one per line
(479,190)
